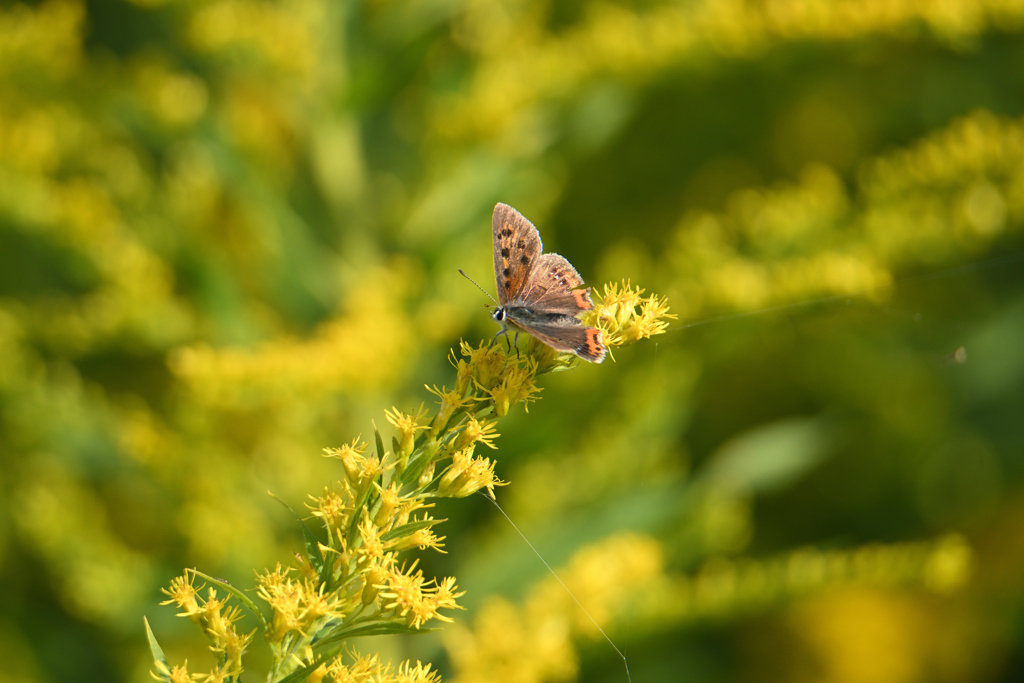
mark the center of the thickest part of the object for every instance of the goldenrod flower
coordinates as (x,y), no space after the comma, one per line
(651,320)
(463,372)
(467,475)
(353,460)
(415,599)
(297,605)
(445,595)
(624,316)
(365,669)
(332,509)
(219,615)
(407,426)
(516,385)
(176,674)
(485,363)
(477,431)
(390,498)
(284,597)
(368,669)
(318,603)
(374,577)
(184,595)
(406,508)
(233,645)
(220,675)
(421,538)
(450,403)
(421,673)
(372,547)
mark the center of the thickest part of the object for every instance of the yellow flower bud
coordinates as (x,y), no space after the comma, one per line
(373,579)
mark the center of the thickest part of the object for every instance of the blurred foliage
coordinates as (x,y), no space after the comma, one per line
(229,235)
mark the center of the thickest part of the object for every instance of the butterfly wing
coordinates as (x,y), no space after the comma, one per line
(552,288)
(538,291)
(564,333)
(517,247)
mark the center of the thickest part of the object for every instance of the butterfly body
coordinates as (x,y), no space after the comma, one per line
(539,293)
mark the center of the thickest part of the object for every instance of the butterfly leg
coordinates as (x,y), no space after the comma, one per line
(515,343)
(502,331)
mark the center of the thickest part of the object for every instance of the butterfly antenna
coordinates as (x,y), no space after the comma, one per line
(477,286)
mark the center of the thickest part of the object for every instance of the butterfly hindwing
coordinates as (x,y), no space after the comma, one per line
(569,336)
(517,247)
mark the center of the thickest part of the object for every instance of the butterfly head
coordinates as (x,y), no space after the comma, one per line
(499,314)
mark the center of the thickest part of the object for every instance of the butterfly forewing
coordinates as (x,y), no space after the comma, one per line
(552,287)
(517,246)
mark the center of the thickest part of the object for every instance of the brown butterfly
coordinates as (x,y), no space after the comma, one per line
(538,293)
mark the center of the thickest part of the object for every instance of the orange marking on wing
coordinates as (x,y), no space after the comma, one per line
(595,350)
(582,299)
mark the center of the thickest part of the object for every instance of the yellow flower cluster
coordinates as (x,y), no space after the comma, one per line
(532,642)
(299,605)
(724,587)
(281,34)
(407,595)
(958,189)
(534,68)
(369,669)
(217,619)
(337,356)
(48,34)
(351,581)
(625,316)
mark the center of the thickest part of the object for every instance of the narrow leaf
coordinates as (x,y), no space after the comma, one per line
(380,444)
(301,674)
(380,628)
(417,464)
(158,652)
(312,544)
(409,528)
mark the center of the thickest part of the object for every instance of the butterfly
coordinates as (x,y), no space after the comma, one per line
(539,293)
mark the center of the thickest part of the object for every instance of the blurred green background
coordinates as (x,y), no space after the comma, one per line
(230,233)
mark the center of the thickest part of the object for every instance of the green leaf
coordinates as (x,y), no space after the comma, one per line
(301,674)
(412,470)
(380,628)
(158,652)
(422,457)
(769,457)
(242,597)
(395,446)
(409,528)
(312,544)
(380,444)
